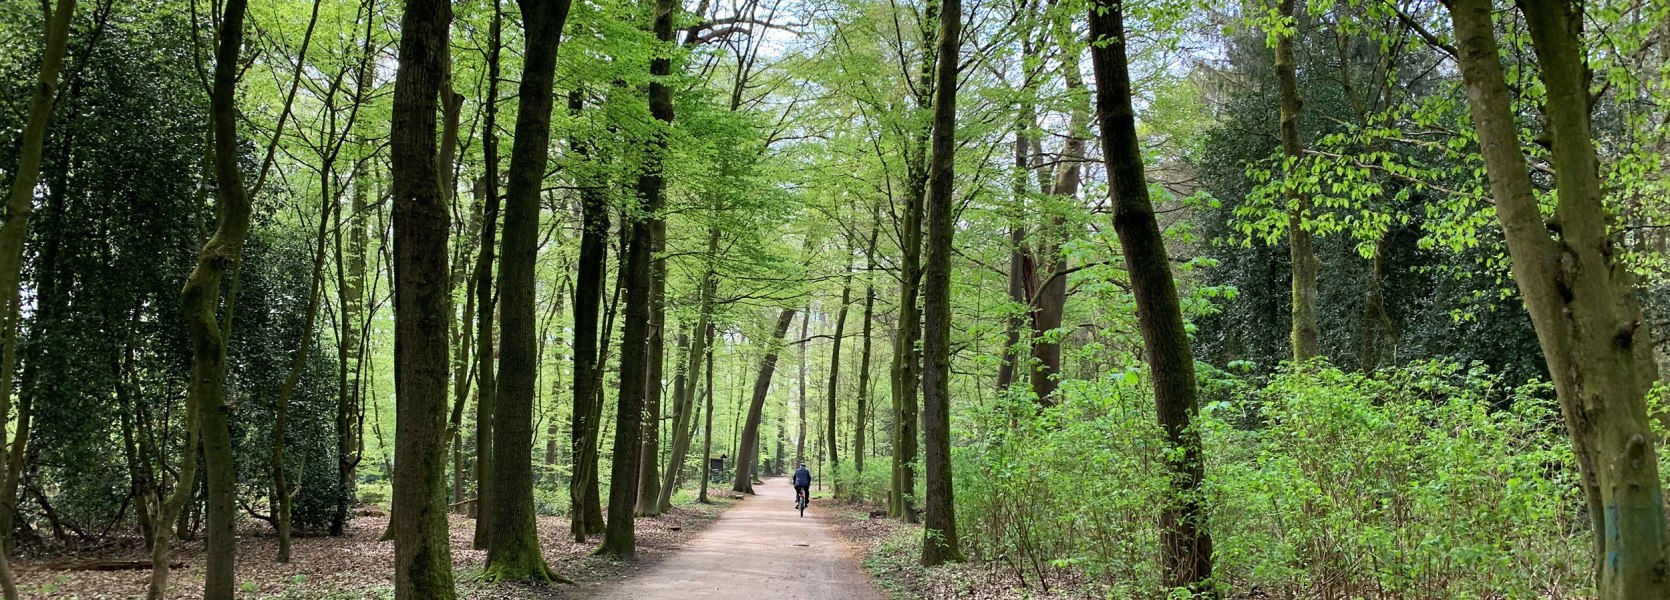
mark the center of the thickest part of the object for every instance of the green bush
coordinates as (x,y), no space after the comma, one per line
(1427,481)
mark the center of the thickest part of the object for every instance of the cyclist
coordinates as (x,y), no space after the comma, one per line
(802,485)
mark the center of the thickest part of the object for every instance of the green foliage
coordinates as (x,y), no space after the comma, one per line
(1429,480)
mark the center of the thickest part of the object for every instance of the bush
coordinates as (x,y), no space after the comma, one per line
(1426,481)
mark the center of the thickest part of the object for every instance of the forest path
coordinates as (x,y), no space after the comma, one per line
(759,549)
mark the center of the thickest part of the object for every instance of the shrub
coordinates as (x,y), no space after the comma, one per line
(1428,481)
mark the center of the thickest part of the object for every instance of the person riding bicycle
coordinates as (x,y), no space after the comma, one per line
(802,484)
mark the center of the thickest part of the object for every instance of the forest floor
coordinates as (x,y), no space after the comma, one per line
(358,566)
(762,548)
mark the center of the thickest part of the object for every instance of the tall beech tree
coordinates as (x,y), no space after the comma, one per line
(684,409)
(513,544)
(939,530)
(620,536)
(1185,545)
(1580,297)
(907,363)
(422,308)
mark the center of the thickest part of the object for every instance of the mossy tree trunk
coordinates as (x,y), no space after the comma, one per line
(939,544)
(1185,546)
(513,542)
(1300,243)
(1580,297)
(20,202)
(422,308)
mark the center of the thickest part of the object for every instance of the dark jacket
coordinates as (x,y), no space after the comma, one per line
(802,477)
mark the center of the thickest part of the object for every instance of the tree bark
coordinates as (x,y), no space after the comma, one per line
(939,531)
(748,449)
(513,545)
(1186,548)
(1579,296)
(1301,246)
(422,305)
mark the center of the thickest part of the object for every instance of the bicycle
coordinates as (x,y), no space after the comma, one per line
(802,497)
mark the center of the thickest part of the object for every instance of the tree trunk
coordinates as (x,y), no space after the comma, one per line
(513,545)
(585,516)
(707,429)
(858,436)
(685,405)
(553,427)
(1020,256)
(283,498)
(13,233)
(800,431)
(907,364)
(939,542)
(1301,247)
(1049,307)
(649,480)
(620,537)
(1579,297)
(748,449)
(487,384)
(350,279)
(833,391)
(1186,548)
(200,300)
(422,305)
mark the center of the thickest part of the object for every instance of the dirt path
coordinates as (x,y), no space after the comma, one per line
(760,549)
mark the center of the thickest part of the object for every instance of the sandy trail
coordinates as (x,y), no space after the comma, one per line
(760,549)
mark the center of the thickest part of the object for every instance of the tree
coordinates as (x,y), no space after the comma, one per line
(748,449)
(201,300)
(586,518)
(939,530)
(1581,299)
(1186,548)
(513,544)
(422,305)
(14,231)
(1301,247)
(619,537)
(684,406)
